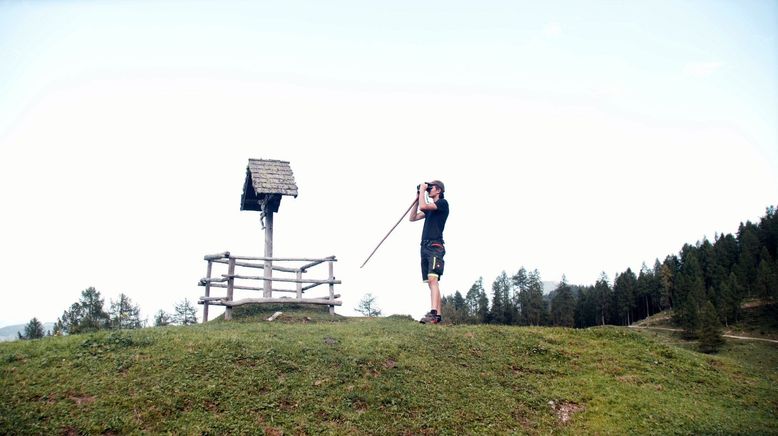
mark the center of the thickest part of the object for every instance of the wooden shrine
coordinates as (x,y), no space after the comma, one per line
(266,182)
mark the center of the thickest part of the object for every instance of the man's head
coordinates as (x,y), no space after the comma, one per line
(438,185)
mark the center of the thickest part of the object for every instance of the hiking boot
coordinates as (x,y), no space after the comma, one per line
(431,317)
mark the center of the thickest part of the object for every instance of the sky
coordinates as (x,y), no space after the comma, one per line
(574,138)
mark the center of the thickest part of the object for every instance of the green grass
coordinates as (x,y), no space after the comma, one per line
(314,374)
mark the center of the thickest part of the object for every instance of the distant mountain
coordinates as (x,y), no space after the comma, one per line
(10,333)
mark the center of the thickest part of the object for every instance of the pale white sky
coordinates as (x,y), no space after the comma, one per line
(573,137)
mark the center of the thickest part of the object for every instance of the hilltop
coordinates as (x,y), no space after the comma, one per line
(314,374)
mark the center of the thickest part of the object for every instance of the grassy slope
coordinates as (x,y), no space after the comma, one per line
(388,375)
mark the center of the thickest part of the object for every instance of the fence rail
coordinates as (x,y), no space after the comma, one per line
(229,281)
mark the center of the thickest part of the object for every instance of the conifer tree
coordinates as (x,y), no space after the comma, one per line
(691,291)
(185,313)
(646,290)
(725,296)
(86,315)
(502,311)
(666,282)
(774,294)
(69,322)
(688,313)
(563,305)
(471,299)
(497,311)
(458,314)
(459,301)
(520,281)
(533,307)
(710,329)
(768,228)
(162,319)
(602,295)
(748,261)
(766,276)
(33,330)
(95,317)
(706,258)
(586,314)
(482,314)
(124,314)
(656,291)
(454,310)
(725,254)
(624,293)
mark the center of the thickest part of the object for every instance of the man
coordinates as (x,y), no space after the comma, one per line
(433,209)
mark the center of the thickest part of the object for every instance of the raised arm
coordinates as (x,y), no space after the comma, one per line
(414,214)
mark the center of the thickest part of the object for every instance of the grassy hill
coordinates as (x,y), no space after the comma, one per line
(309,373)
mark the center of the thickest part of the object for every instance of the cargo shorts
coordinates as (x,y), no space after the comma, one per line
(432,253)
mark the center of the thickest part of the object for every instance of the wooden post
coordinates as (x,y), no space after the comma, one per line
(268,289)
(299,284)
(230,284)
(207,291)
(332,287)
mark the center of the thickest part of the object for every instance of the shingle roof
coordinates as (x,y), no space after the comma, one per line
(266,181)
(271,177)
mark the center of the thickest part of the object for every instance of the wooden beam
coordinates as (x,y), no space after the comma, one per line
(204,299)
(312,264)
(230,288)
(207,291)
(274,316)
(299,284)
(251,288)
(268,292)
(222,301)
(286,259)
(305,288)
(259,266)
(217,255)
(286,299)
(332,286)
(205,281)
(334,297)
(320,282)
(282,301)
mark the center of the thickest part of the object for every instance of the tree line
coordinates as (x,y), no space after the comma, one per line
(703,284)
(89,314)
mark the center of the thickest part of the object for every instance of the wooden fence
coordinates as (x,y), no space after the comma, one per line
(233,280)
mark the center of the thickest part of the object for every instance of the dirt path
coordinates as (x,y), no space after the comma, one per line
(747,338)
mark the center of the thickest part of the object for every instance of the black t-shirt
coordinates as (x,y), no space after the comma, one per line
(435,221)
